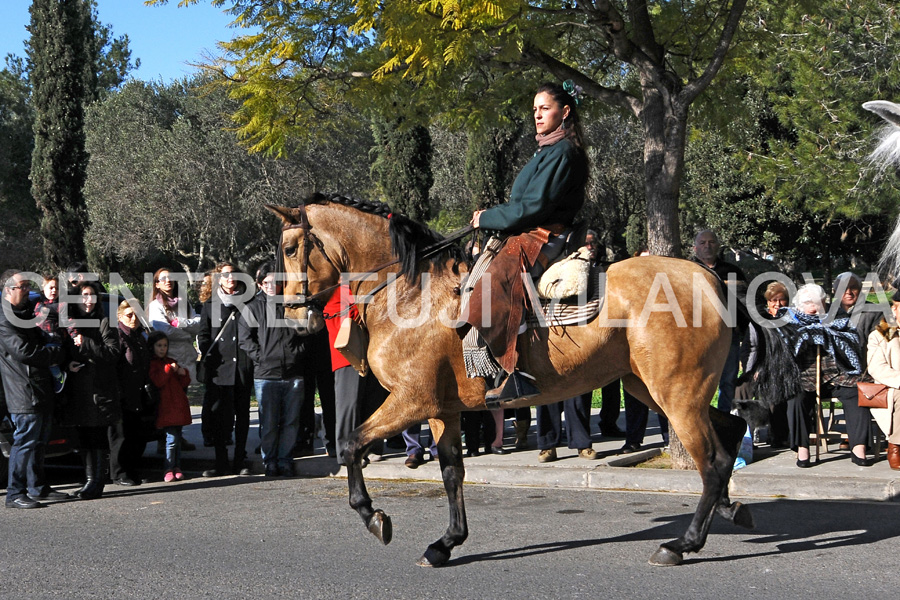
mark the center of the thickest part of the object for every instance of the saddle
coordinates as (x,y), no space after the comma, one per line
(567,293)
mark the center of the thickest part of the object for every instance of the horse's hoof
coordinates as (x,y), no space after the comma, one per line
(433,558)
(380,526)
(742,516)
(665,557)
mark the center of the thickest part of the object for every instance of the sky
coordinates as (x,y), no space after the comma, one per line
(165,38)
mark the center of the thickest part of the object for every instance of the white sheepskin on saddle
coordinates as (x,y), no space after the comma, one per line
(566,278)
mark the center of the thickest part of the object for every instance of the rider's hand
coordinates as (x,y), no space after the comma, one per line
(476,217)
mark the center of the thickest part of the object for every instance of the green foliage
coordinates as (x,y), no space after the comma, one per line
(59,65)
(402,165)
(490,157)
(169,183)
(20,245)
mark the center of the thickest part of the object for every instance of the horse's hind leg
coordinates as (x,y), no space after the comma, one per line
(730,429)
(714,451)
(449,444)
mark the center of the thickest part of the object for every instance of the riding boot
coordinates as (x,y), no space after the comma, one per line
(522,427)
(516,386)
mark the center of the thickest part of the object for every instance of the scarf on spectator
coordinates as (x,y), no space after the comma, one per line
(838,338)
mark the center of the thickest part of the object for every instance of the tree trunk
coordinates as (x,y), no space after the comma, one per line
(665,127)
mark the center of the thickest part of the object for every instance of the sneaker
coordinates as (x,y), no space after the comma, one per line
(546,456)
(59,379)
(178,474)
(169,477)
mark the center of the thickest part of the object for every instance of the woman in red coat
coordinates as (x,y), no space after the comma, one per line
(174,409)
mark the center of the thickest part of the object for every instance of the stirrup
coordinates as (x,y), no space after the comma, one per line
(517,386)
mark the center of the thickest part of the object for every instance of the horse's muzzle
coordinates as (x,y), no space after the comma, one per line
(304,319)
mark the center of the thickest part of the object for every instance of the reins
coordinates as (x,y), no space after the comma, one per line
(310,240)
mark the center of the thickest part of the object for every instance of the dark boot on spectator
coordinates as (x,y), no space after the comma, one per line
(522,427)
(96,475)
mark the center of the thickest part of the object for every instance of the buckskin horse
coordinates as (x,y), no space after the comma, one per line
(670,356)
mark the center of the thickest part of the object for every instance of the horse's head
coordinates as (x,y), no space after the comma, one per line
(309,273)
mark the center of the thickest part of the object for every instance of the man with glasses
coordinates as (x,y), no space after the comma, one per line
(25,361)
(277,352)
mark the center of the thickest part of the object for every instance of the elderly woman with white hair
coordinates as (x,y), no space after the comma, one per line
(837,344)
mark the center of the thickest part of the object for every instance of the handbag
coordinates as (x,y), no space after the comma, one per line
(352,341)
(872,395)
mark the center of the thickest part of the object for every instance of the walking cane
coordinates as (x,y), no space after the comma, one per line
(820,428)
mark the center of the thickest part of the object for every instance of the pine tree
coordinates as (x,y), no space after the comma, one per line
(62,77)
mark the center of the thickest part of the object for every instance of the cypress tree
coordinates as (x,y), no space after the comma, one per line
(402,166)
(62,78)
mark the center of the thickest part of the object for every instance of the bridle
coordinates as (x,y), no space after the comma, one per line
(310,241)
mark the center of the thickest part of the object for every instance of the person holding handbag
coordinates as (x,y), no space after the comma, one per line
(884,367)
(227,368)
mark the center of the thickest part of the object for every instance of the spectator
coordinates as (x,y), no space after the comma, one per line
(317,375)
(355,397)
(610,405)
(128,437)
(25,363)
(415,451)
(47,309)
(172,314)
(92,396)
(229,371)
(578,427)
(478,425)
(884,367)
(278,353)
(706,253)
(838,346)
(171,380)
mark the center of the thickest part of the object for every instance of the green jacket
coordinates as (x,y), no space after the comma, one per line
(549,190)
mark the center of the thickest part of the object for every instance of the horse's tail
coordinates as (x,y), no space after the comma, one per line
(773,372)
(887,156)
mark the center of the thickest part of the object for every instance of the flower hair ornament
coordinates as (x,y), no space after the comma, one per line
(573,90)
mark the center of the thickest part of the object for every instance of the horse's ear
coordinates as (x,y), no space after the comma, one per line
(288,215)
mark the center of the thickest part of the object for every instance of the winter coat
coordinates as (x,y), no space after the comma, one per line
(132,368)
(180,331)
(277,352)
(883,354)
(25,363)
(549,190)
(225,362)
(92,394)
(174,408)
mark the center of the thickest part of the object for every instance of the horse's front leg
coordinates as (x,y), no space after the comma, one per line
(377,522)
(449,444)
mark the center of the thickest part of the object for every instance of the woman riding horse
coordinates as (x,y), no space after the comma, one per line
(545,198)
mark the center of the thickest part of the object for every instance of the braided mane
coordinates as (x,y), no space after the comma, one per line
(408,238)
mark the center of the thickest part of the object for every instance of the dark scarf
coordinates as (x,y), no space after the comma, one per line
(837,338)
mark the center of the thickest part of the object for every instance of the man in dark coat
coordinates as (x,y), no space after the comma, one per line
(278,354)
(706,252)
(25,362)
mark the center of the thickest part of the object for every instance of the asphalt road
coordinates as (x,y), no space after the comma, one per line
(257,538)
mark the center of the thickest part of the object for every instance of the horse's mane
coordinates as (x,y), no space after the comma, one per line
(408,238)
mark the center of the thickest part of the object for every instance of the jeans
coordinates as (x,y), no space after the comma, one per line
(26,455)
(279,403)
(412,435)
(173,447)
